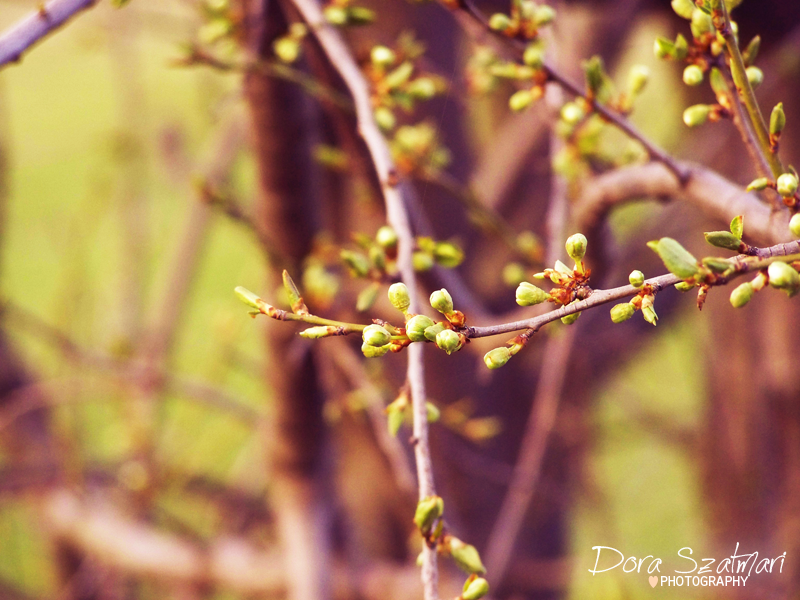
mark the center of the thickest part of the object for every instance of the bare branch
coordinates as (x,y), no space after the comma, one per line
(16,40)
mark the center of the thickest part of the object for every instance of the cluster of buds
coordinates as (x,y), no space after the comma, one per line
(418,149)
(342,13)
(642,301)
(524,20)
(779,275)
(287,47)
(396,82)
(786,185)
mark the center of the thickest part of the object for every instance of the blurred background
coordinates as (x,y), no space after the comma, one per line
(155,442)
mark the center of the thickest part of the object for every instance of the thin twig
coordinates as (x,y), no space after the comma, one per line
(396,213)
(16,40)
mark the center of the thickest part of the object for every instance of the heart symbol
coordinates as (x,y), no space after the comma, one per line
(653,581)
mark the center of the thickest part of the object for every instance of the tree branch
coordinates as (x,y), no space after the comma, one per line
(16,40)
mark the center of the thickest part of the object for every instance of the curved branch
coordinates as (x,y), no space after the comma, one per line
(16,40)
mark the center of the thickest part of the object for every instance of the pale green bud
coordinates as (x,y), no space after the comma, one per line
(576,246)
(448,255)
(741,295)
(737,226)
(373,351)
(422,88)
(794,225)
(701,23)
(787,185)
(314,333)
(529,295)
(544,15)
(649,314)
(533,56)
(248,297)
(693,75)
(386,237)
(622,312)
(476,589)
(498,357)
(755,76)
(360,15)
(398,296)
(428,510)
(434,330)
(759,184)
(777,119)
(684,286)
(357,262)
(442,301)
(663,48)
(466,556)
(286,49)
(520,100)
(749,54)
(422,261)
(416,326)
(395,416)
(784,277)
(570,318)
(636,279)
(513,274)
(382,56)
(638,77)
(696,115)
(375,335)
(676,258)
(683,8)
(385,118)
(432,413)
(681,47)
(335,15)
(723,239)
(572,113)
(717,82)
(499,22)
(449,341)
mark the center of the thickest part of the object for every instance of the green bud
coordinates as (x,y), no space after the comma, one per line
(386,237)
(374,351)
(395,416)
(248,297)
(787,185)
(378,257)
(533,55)
(499,22)
(358,263)
(422,261)
(693,75)
(777,119)
(398,296)
(428,510)
(636,278)
(572,113)
(434,330)
(399,76)
(416,326)
(794,225)
(784,277)
(593,69)
(544,15)
(755,76)
(701,23)
(696,115)
(663,48)
(576,246)
(498,357)
(360,15)
(286,49)
(335,15)
(529,295)
(513,274)
(649,314)
(449,341)
(448,255)
(638,77)
(432,413)
(422,88)
(749,54)
(681,47)
(476,589)
(684,286)
(759,184)
(375,335)
(385,118)
(570,318)
(676,258)
(466,556)
(520,100)
(723,239)
(442,301)
(741,295)
(382,56)
(737,226)
(315,333)
(622,312)
(717,82)
(683,8)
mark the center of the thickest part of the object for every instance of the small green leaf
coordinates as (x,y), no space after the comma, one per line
(676,258)
(737,226)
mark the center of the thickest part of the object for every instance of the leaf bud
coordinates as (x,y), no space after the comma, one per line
(434,330)
(358,263)
(395,416)
(570,318)
(649,314)
(681,47)
(784,277)
(376,335)
(373,351)
(576,246)
(572,113)
(675,257)
(442,301)
(759,184)
(529,295)
(622,312)
(476,589)
(684,286)
(497,357)
(663,48)
(248,297)
(382,57)
(466,556)
(386,237)
(422,88)
(422,261)
(416,326)
(777,119)
(520,100)
(533,55)
(360,15)
(286,49)
(593,69)
(696,115)
(638,77)
(315,333)
(749,54)
(693,75)
(432,412)
(717,82)
(335,15)
(742,294)
(449,341)
(636,278)
(787,185)
(544,15)
(398,296)
(794,225)
(385,118)
(701,23)
(448,255)
(723,239)
(428,510)
(755,76)
(683,8)
(737,226)
(499,22)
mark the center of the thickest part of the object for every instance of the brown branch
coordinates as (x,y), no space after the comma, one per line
(16,40)
(396,213)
